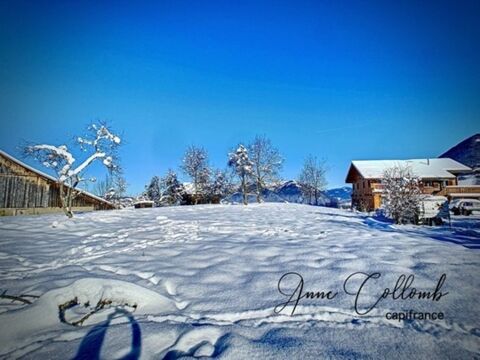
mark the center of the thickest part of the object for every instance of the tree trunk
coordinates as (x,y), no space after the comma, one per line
(69,201)
(195,192)
(65,201)
(244,190)
(259,190)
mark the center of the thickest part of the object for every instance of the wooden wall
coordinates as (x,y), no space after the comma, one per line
(22,188)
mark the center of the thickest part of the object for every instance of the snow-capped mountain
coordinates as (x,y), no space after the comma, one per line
(289,191)
(342,195)
(467,152)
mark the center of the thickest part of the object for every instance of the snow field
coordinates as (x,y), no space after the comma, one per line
(205,278)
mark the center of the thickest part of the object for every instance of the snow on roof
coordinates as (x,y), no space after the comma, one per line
(423,168)
(48,177)
(143,202)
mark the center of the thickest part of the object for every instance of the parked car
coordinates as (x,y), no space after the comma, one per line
(464,206)
(433,209)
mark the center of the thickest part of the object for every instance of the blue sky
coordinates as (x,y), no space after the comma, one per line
(340,80)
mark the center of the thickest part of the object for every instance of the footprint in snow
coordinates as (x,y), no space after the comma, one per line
(198,342)
(170,287)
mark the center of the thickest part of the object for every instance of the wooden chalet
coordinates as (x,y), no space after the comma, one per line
(438,177)
(25,190)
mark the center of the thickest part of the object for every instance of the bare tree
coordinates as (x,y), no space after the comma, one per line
(102,144)
(401,195)
(195,165)
(312,179)
(112,188)
(242,165)
(266,161)
(120,184)
(102,187)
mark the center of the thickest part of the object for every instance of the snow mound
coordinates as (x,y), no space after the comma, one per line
(92,290)
(34,321)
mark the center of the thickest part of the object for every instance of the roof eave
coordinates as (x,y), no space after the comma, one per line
(50,178)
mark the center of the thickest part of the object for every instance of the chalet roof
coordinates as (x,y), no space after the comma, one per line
(48,177)
(444,168)
(143,202)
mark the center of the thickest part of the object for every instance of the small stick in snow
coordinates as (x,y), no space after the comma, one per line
(20,298)
(102,303)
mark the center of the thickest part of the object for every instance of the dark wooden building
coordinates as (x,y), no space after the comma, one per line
(25,190)
(142,204)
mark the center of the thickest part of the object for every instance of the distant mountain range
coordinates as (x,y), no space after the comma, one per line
(342,193)
(291,191)
(467,152)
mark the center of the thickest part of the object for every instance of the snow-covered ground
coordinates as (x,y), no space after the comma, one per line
(202,281)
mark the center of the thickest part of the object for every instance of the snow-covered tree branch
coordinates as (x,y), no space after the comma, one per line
(401,194)
(100,141)
(243,167)
(195,165)
(312,179)
(112,188)
(221,186)
(266,161)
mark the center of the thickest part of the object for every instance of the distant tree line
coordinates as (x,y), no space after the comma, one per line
(250,169)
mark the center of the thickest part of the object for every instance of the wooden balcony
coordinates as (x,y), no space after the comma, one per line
(430,189)
(377,187)
(460,189)
(456,190)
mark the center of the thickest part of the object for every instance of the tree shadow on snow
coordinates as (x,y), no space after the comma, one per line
(466,237)
(91,344)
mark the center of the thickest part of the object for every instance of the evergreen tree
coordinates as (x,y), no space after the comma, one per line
(243,167)
(153,190)
(220,187)
(173,190)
